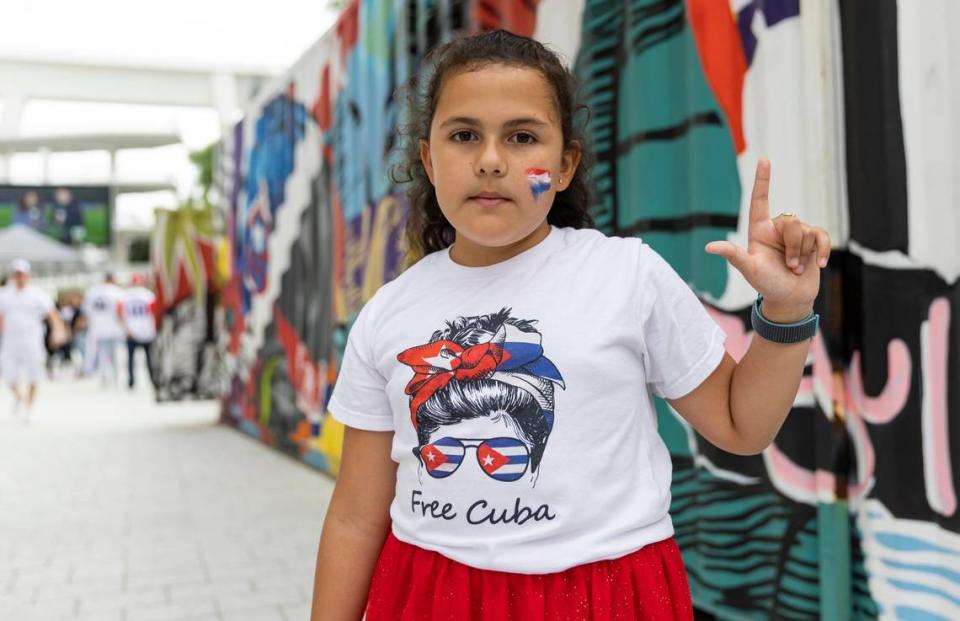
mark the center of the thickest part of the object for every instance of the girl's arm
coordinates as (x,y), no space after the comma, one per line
(740,407)
(355,527)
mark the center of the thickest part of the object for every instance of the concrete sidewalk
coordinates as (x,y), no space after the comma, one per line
(113,507)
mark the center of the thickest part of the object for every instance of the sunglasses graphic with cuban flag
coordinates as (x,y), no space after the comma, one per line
(503,459)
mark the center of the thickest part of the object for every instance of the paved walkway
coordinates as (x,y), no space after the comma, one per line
(115,508)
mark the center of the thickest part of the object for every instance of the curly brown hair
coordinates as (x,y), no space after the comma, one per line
(427,229)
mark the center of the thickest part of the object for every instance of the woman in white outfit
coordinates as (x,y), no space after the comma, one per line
(23,308)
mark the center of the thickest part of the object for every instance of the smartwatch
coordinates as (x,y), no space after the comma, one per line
(786,333)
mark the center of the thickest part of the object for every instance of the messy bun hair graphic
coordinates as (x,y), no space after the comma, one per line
(485,366)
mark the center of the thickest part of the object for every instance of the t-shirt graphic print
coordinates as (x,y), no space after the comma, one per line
(490,370)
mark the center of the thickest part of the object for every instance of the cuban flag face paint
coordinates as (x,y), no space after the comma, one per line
(539,181)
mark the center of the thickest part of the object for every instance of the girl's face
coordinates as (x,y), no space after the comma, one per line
(496,157)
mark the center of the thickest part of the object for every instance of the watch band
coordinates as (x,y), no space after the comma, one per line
(785,333)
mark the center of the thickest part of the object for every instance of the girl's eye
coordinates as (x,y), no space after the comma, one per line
(462,136)
(523,138)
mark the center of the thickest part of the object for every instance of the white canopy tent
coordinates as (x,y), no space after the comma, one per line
(46,254)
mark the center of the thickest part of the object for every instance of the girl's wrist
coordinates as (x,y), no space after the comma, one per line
(785,313)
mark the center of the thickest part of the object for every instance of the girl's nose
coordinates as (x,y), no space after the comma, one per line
(491,161)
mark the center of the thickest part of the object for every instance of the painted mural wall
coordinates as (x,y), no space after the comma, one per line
(188,278)
(852,513)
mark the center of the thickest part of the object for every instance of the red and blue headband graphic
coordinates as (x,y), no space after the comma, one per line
(511,356)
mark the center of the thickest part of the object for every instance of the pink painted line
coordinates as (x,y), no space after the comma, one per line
(936,432)
(787,474)
(798,482)
(822,370)
(891,401)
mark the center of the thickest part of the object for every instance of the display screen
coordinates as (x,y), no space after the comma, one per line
(71,214)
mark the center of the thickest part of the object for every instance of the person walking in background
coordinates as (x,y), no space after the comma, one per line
(67,308)
(23,309)
(139,323)
(78,332)
(102,305)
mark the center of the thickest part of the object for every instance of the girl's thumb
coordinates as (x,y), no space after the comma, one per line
(729,251)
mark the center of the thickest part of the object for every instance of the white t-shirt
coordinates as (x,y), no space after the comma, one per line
(23,311)
(138,313)
(524,430)
(101,304)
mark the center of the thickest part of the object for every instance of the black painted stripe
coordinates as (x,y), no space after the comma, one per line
(648,37)
(643,9)
(678,225)
(669,133)
(876,163)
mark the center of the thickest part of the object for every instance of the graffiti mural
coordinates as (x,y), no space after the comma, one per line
(852,512)
(187,282)
(315,234)
(821,525)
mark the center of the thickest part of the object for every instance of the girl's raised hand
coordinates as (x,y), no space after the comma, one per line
(783,257)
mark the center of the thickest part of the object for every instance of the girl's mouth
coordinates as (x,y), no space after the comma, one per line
(489,199)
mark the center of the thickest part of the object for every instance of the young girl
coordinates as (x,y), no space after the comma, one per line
(501,458)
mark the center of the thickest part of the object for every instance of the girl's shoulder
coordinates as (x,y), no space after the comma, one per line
(613,256)
(594,237)
(598,246)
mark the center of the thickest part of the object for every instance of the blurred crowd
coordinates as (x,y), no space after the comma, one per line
(81,333)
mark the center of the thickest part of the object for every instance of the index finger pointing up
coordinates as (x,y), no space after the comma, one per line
(759,205)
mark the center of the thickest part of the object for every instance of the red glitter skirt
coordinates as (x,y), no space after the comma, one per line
(413,584)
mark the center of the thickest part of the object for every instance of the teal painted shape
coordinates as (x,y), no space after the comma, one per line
(748,554)
(835,578)
(674,173)
(597,67)
(671,430)
(706,273)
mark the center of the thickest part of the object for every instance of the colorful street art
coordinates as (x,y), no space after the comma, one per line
(316,232)
(852,512)
(187,281)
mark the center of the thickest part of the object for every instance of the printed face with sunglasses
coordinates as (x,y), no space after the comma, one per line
(499,453)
